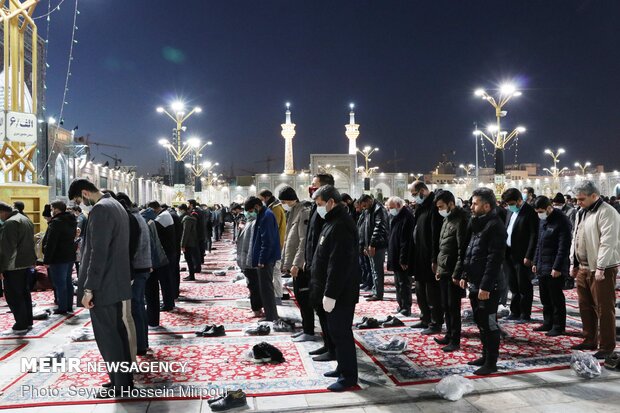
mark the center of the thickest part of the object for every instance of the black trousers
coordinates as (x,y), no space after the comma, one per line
(209,242)
(201,251)
(159,277)
(301,288)
(267,296)
(451,296)
(175,275)
(112,339)
(192,256)
(339,323)
(520,284)
(255,301)
(367,279)
(428,294)
(403,290)
(485,316)
(328,342)
(553,301)
(18,297)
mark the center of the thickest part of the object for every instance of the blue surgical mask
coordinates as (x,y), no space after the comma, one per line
(542,216)
(394,212)
(418,199)
(524,196)
(1,222)
(444,212)
(322,211)
(513,208)
(251,214)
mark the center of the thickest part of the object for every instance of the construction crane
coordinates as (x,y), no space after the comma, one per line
(115,158)
(268,161)
(85,140)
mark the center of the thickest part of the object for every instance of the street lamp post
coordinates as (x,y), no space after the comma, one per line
(554,171)
(198,168)
(366,170)
(583,167)
(178,149)
(498,137)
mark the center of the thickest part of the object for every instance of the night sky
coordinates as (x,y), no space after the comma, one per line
(410,67)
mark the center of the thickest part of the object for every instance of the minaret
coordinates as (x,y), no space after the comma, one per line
(288,132)
(352,131)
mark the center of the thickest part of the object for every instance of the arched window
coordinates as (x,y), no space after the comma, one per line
(60,171)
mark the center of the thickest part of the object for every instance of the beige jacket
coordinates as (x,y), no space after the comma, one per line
(602,236)
(293,252)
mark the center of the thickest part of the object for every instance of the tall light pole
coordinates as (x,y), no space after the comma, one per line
(554,171)
(197,168)
(498,137)
(178,149)
(476,134)
(583,167)
(366,170)
(467,168)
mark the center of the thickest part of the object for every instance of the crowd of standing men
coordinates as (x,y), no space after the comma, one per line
(331,247)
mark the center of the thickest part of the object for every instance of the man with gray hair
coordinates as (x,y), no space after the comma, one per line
(595,257)
(400,256)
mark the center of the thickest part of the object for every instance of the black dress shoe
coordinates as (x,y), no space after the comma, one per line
(431,330)
(215,331)
(374,298)
(369,323)
(513,317)
(105,393)
(555,332)
(324,357)
(525,320)
(451,347)
(107,385)
(362,321)
(406,313)
(333,374)
(341,386)
(584,346)
(443,341)
(232,400)
(318,351)
(478,362)
(543,328)
(486,370)
(601,355)
(189,278)
(166,309)
(205,330)
(420,324)
(394,322)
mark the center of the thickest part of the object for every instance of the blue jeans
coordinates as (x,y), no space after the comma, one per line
(138,309)
(61,277)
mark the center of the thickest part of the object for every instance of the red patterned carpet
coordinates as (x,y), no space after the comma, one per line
(40,328)
(188,318)
(201,291)
(7,350)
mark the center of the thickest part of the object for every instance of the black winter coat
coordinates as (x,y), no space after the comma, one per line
(524,233)
(59,240)
(400,245)
(427,228)
(315,225)
(482,264)
(452,244)
(376,226)
(554,241)
(335,266)
(178,231)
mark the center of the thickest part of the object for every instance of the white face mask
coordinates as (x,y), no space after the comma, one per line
(322,211)
(286,207)
(394,212)
(418,199)
(557,206)
(542,216)
(444,212)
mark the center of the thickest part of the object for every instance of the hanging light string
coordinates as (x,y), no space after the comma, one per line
(76,12)
(49,10)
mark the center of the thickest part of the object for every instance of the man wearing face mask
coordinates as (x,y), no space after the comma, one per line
(551,263)
(522,227)
(104,282)
(293,258)
(265,253)
(328,351)
(335,276)
(375,242)
(426,231)
(452,244)
(559,202)
(400,254)
(482,264)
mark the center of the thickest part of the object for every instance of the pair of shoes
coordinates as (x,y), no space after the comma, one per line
(392,322)
(451,347)
(524,319)
(232,400)
(19,330)
(304,337)
(366,289)
(555,332)
(513,317)
(584,346)
(420,324)
(324,357)
(212,331)
(282,326)
(478,362)
(443,341)
(602,355)
(189,278)
(431,330)
(265,353)
(543,328)
(368,323)
(486,369)
(396,346)
(318,351)
(405,312)
(57,311)
(341,386)
(374,298)
(334,374)
(259,330)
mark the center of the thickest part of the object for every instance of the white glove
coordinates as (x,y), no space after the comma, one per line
(328,304)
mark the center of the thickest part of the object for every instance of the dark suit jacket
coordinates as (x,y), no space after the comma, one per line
(524,234)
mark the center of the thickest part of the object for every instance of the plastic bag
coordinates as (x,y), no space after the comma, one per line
(454,387)
(503,311)
(219,273)
(82,334)
(468,315)
(585,365)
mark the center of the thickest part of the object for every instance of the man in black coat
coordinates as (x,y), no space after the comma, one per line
(522,228)
(400,254)
(165,225)
(175,266)
(335,277)
(427,227)
(481,271)
(315,225)
(199,214)
(551,264)
(376,228)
